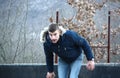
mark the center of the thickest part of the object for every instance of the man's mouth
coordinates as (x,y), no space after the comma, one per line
(53,40)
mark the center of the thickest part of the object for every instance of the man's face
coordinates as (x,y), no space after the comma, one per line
(54,36)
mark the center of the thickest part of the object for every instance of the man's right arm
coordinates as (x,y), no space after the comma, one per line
(49,58)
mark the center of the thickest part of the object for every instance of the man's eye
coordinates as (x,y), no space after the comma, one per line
(50,34)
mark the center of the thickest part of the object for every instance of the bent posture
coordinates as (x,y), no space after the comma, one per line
(68,45)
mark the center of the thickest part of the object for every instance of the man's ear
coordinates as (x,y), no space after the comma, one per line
(60,32)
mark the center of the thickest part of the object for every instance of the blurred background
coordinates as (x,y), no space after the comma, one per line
(21,22)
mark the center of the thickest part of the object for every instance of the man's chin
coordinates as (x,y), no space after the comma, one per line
(54,41)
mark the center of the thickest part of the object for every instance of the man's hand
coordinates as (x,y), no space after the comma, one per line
(50,75)
(90,65)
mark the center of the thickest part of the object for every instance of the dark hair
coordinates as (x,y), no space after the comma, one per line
(53,28)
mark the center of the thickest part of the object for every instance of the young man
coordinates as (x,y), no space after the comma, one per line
(68,45)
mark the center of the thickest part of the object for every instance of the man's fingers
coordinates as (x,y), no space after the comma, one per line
(90,67)
(50,75)
(53,75)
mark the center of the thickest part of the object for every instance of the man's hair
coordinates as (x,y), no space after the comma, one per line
(53,28)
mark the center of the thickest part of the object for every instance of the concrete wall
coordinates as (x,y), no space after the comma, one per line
(39,71)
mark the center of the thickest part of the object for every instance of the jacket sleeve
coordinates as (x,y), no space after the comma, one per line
(83,43)
(49,58)
(87,49)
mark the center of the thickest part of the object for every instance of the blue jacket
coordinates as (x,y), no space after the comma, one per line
(68,48)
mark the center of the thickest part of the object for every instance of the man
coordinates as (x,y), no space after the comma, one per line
(68,45)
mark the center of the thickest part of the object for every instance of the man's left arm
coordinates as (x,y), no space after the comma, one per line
(88,52)
(83,43)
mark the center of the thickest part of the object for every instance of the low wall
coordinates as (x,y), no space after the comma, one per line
(102,70)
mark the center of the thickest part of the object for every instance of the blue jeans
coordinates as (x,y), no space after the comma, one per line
(71,70)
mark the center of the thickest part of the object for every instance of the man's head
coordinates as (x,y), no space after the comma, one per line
(54,33)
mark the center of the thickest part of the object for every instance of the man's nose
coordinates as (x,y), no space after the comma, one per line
(53,37)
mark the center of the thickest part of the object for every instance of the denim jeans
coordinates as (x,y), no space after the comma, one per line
(71,70)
